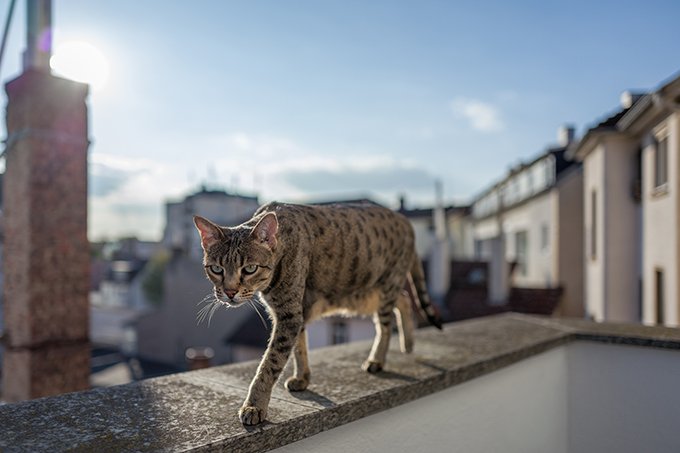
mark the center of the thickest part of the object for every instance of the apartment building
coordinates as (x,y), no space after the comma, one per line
(528,226)
(632,208)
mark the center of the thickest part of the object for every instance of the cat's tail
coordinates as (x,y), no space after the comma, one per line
(416,281)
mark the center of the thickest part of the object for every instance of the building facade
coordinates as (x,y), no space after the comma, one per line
(632,209)
(528,227)
(216,205)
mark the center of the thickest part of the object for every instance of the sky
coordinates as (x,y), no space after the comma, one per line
(311,101)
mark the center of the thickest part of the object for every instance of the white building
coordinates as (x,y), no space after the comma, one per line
(533,218)
(218,206)
(632,247)
(458,230)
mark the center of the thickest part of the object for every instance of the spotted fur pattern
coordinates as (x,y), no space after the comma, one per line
(311,261)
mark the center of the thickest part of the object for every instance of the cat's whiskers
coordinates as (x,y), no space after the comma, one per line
(212,303)
(252,304)
(207,298)
(217,305)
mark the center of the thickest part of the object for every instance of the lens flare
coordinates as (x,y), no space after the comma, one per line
(82,62)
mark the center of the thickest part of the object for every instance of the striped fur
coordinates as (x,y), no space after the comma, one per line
(306,262)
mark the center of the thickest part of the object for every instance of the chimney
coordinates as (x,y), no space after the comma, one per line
(46,257)
(439,260)
(628,98)
(402,203)
(38,35)
(565,134)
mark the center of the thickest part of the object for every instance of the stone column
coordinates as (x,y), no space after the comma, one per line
(46,261)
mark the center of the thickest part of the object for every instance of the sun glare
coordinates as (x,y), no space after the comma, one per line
(82,62)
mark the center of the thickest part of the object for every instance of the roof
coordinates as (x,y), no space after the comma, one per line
(644,108)
(220,193)
(561,163)
(427,212)
(344,202)
(608,124)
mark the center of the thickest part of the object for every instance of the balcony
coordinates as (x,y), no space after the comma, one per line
(511,383)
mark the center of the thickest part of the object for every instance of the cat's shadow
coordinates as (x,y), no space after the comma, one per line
(386,374)
(309,395)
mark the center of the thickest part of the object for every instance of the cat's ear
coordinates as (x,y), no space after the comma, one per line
(265,230)
(209,232)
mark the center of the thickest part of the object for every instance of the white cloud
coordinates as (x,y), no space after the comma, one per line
(482,116)
(128,193)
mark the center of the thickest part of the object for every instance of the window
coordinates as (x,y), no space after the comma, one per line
(661,162)
(593,225)
(659,284)
(339,331)
(545,237)
(521,252)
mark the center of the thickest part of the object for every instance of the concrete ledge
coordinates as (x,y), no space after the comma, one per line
(196,411)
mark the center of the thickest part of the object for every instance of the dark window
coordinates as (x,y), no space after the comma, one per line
(593,225)
(522,252)
(659,296)
(339,331)
(661,163)
(545,237)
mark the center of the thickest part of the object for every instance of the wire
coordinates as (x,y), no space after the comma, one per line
(5,32)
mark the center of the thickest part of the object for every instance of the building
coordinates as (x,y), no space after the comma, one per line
(165,333)
(219,206)
(533,219)
(631,209)
(458,229)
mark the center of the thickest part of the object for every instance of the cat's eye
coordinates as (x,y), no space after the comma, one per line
(250,269)
(216,269)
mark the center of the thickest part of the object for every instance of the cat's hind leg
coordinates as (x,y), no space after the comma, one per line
(382,320)
(404,314)
(301,374)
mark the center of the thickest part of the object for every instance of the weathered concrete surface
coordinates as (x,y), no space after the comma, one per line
(197,410)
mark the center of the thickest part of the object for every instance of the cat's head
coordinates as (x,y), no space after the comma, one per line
(238,261)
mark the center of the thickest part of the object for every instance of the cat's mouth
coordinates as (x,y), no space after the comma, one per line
(230,302)
(237,301)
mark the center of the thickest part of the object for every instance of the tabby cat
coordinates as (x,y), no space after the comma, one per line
(308,261)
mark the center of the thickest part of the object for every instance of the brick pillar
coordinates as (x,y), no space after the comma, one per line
(46,259)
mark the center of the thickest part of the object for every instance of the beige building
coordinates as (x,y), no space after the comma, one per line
(632,209)
(533,219)
(612,219)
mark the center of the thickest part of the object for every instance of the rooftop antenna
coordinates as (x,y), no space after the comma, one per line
(38,35)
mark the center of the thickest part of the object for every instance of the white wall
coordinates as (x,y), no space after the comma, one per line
(612,277)
(583,397)
(518,409)
(623,398)
(532,217)
(593,182)
(660,228)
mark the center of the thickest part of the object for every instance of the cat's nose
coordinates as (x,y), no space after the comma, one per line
(230,293)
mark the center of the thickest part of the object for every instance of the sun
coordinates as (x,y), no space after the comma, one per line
(82,62)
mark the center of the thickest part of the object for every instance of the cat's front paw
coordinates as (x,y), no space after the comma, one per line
(371,366)
(251,415)
(294,384)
